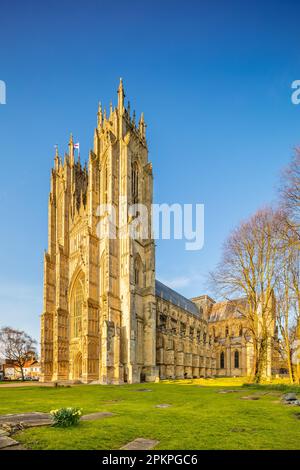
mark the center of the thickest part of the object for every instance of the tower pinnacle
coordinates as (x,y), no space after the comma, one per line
(56,158)
(121,96)
(99,115)
(142,126)
(71,149)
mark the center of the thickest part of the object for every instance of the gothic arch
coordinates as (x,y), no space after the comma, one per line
(77,367)
(138,271)
(236,359)
(76,302)
(222,360)
(135,177)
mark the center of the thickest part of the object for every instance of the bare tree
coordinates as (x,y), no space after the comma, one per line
(290,198)
(248,269)
(17,346)
(289,322)
(287,296)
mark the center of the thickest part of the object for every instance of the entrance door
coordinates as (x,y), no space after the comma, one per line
(78,367)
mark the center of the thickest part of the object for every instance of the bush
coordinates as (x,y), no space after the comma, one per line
(65,417)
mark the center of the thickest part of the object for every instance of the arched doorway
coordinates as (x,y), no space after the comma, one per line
(77,374)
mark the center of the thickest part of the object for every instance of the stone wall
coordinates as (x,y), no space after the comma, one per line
(183,343)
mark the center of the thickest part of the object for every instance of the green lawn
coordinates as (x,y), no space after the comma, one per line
(199,418)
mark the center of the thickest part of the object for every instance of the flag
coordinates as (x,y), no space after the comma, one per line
(77,146)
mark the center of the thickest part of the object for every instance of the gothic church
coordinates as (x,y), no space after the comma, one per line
(106,318)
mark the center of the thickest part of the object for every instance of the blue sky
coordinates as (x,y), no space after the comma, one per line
(214,80)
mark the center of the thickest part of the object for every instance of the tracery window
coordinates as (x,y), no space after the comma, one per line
(236,359)
(222,360)
(77,306)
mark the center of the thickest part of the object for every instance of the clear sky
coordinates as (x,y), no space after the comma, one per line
(214,80)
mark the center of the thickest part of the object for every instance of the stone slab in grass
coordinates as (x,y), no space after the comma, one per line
(16,447)
(95,416)
(163,405)
(38,422)
(140,444)
(238,429)
(112,402)
(7,442)
(289,397)
(251,397)
(29,420)
(228,391)
(143,390)
(23,417)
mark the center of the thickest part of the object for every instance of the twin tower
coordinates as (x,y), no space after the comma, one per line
(99,317)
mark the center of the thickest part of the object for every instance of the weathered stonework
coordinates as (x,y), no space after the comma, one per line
(105,318)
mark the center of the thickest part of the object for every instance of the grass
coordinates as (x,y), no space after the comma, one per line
(200,417)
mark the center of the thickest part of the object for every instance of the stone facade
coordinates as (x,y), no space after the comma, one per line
(106,319)
(183,342)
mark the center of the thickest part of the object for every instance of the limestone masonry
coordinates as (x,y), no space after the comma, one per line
(106,318)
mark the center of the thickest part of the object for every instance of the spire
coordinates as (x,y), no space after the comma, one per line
(56,158)
(71,149)
(142,126)
(99,115)
(128,108)
(133,117)
(110,110)
(121,96)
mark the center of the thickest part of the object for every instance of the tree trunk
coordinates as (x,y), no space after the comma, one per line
(290,365)
(261,361)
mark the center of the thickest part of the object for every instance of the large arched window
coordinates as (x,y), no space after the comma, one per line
(236,359)
(222,360)
(135,182)
(77,298)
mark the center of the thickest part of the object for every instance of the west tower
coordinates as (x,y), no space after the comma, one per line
(99,318)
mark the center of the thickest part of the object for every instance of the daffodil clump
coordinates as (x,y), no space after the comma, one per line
(65,417)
